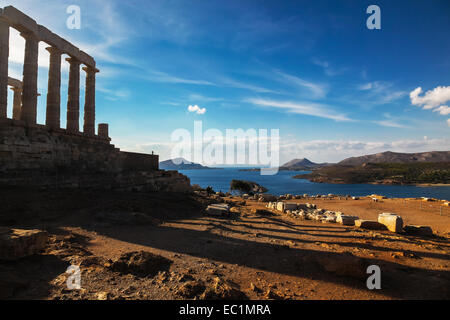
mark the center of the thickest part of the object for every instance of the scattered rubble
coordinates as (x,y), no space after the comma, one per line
(190,290)
(222,290)
(140,263)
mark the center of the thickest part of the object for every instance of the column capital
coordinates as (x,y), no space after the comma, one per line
(73,60)
(16,89)
(29,35)
(90,69)
(54,50)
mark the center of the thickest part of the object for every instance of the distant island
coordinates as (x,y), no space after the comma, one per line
(427,168)
(295,165)
(181,164)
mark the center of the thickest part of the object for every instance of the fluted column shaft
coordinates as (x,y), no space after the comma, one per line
(4,55)
(89,105)
(30,74)
(17,103)
(73,101)
(53,111)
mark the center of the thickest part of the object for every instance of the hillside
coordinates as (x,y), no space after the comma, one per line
(180,164)
(383,173)
(395,157)
(299,163)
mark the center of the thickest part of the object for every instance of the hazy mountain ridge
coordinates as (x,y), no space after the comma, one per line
(397,157)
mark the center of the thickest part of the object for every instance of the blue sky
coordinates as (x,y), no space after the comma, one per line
(309,68)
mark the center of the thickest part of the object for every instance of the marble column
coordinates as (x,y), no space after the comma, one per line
(73,101)
(4,55)
(17,104)
(89,105)
(103,130)
(53,111)
(30,74)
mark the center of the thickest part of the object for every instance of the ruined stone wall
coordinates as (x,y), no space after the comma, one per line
(140,161)
(39,156)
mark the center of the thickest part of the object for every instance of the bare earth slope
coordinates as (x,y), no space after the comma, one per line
(253,254)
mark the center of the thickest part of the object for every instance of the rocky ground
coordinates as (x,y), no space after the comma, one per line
(162,246)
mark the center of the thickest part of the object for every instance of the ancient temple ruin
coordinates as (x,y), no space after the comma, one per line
(25,91)
(48,155)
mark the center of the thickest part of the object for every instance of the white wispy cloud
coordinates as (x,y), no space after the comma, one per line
(114,95)
(381,92)
(199,97)
(375,86)
(327,68)
(311,109)
(390,124)
(196,109)
(228,82)
(317,90)
(159,76)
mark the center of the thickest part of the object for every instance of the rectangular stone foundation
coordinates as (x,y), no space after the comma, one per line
(36,156)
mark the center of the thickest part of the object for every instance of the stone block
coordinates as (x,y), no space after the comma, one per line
(267,197)
(218,210)
(290,206)
(346,220)
(369,224)
(392,221)
(18,243)
(418,230)
(280,206)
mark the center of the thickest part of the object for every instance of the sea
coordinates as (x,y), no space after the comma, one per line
(284,183)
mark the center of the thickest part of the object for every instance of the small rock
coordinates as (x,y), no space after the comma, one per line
(103,295)
(185,277)
(190,290)
(271,295)
(254,288)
